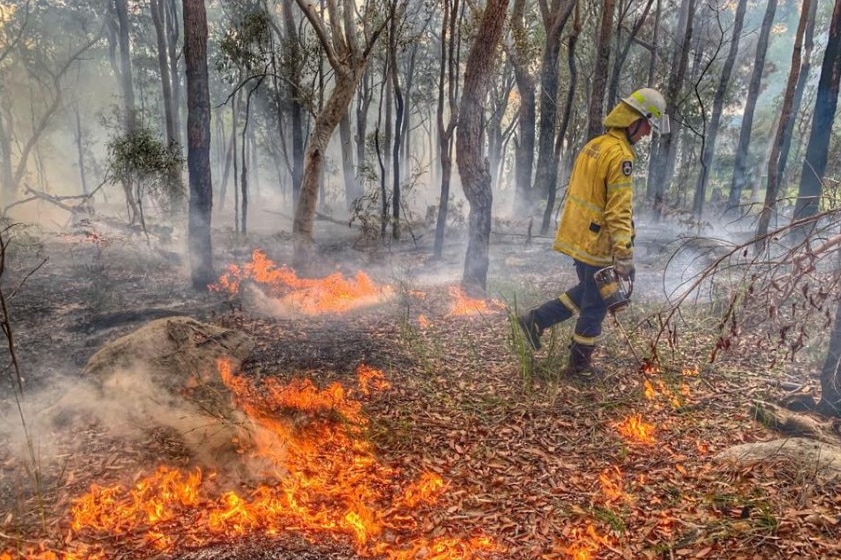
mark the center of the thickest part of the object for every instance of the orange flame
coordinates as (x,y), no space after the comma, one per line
(611,483)
(331,294)
(322,479)
(463,305)
(586,544)
(635,429)
(423,322)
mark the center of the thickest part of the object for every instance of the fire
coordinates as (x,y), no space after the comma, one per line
(423,322)
(611,484)
(331,294)
(463,305)
(586,543)
(320,478)
(635,429)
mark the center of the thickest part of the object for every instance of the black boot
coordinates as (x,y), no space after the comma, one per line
(541,318)
(531,329)
(580,365)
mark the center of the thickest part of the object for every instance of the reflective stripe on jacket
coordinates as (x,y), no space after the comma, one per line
(597,219)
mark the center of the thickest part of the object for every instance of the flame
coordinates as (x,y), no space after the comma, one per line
(321,478)
(586,544)
(648,390)
(331,294)
(463,305)
(423,322)
(611,483)
(636,430)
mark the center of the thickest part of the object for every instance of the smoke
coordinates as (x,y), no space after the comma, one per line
(128,405)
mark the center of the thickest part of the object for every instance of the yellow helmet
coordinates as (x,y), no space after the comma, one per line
(651,104)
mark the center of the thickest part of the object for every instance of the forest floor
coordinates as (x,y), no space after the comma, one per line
(523,462)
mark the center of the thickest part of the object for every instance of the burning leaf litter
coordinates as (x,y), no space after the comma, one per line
(321,479)
(331,294)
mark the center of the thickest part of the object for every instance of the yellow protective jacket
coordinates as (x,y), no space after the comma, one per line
(597,219)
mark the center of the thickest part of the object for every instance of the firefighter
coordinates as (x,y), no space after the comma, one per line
(596,228)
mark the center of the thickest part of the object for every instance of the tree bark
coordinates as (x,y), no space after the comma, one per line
(174,178)
(546,174)
(596,108)
(447,73)
(562,131)
(622,54)
(126,82)
(663,152)
(348,61)
(174,34)
(802,80)
(348,167)
(826,103)
(785,116)
(296,110)
(475,176)
(527,112)
(198,144)
(708,150)
(740,172)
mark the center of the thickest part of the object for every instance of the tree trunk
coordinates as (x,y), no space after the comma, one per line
(662,164)
(830,403)
(559,141)
(173,33)
(398,133)
(126,82)
(348,61)
(296,110)
(622,54)
(198,143)
(709,140)
(348,168)
(546,174)
(475,176)
(174,178)
(325,124)
(826,103)
(595,111)
(9,187)
(447,72)
(363,102)
(802,80)
(80,148)
(527,113)
(740,171)
(163,67)
(785,116)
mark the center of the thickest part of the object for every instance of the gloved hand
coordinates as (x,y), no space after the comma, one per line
(624,268)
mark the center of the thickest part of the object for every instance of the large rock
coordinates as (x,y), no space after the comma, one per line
(167,374)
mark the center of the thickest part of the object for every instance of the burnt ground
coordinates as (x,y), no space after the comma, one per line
(533,460)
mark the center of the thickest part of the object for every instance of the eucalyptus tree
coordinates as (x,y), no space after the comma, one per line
(665,148)
(521,50)
(555,15)
(475,175)
(566,117)
(710,134)
(740,168)
(37,64)
(772,186)
(198,144)
(817,150)
(595,111)
(448,102)
(348,57)
(246,51)
(623,47)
